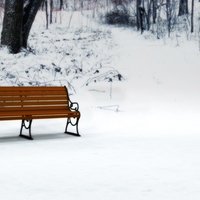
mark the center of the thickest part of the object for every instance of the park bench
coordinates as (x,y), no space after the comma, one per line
(38,102)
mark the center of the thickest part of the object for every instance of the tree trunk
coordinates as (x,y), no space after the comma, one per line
(81,6)
(154,11)
(61,5)
(30,12)
(11,35)
(47,14)
(183,7)
(18,19)
(51,11)
(168,12)
(148,14)
(192,17)
(138,4)
(141,18)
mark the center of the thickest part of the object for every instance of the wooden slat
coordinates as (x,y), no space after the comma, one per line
(35,112)
(43,108)
(37,117)
(32,98)
(33,88)
(32,93)
(20,103)
(71,114)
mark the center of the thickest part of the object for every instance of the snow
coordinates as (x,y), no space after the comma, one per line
(139,136)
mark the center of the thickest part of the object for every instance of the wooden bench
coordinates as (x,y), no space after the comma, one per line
(38,102)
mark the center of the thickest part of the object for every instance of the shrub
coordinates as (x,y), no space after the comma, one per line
(118,16)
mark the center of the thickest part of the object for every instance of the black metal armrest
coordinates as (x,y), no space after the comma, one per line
(74,106)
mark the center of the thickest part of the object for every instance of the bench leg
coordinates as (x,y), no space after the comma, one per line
(23,125)
(73,124)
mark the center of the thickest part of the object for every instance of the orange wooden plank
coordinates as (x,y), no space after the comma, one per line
(34,98)
(32,93)
(32,88)
(27,103)
(38,108)
(38,117)
(36,112)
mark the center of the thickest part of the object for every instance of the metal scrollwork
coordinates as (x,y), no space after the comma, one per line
(28,127)
(69,121)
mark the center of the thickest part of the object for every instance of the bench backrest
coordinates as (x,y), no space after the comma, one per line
(19,99)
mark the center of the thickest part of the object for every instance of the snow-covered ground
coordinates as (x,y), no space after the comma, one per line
(140,136)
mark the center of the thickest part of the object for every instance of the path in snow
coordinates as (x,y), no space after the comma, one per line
(162,83)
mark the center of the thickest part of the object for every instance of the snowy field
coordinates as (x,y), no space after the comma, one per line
(139,135)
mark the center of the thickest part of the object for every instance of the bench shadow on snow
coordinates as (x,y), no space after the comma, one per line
(36,137)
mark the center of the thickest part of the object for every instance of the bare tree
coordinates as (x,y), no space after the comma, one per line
(61,4)
(47,13)
(18,19)
(11,35)
(192,17)
(149,13)
(138,5)
(183,7)
(154,10)
(51,11)
(169,16)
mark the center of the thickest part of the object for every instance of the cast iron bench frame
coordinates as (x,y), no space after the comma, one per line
(38,102)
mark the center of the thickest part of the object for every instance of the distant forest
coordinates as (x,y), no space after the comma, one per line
(162,18)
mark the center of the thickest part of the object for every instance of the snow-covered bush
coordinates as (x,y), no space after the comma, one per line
(120,15)
(74,57)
